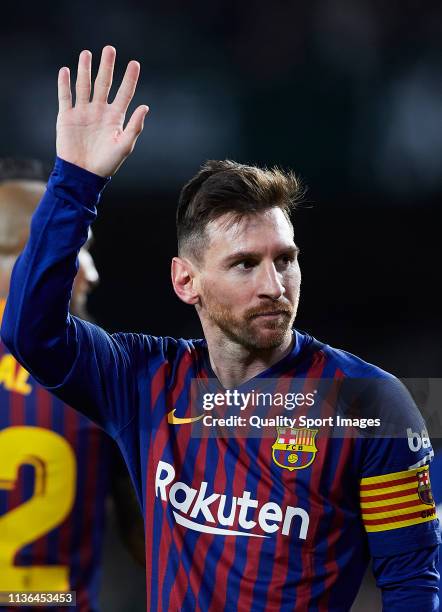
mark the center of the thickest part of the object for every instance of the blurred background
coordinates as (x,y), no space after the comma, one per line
(348,93)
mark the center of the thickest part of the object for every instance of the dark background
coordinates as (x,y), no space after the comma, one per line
(348,93)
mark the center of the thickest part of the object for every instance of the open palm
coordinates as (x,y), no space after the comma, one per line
(91,134)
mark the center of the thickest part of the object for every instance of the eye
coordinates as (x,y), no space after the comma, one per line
(245,264)
(287,259)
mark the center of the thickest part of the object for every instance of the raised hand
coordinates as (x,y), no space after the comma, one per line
(91,134)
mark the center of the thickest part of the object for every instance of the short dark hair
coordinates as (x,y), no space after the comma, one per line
(226,186)
(16,169)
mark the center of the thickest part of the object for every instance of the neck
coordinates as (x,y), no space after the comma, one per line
(235,364)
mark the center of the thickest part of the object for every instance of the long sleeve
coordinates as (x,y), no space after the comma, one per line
(37,327)
(409,581)
(89,369)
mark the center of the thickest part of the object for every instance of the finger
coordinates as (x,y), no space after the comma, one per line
(134,127)
(127,88)
(103,82)
(83,84)
(64,90)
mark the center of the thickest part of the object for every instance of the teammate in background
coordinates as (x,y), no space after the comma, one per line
(54,462)
(233,523)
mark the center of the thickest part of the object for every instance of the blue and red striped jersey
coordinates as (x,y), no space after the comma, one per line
(53,485)
(228,526)
(233,522)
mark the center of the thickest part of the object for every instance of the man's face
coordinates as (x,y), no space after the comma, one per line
(249,282)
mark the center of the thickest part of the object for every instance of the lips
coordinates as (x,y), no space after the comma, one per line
(274,313)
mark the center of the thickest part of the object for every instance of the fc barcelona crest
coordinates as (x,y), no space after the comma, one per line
(294,449)
(424,486)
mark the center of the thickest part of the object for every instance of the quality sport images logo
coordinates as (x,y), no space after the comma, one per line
(242,409)
(216,513)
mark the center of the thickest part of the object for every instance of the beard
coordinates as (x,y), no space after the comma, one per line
(250,329)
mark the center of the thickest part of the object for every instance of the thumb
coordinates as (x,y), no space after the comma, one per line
(134,126)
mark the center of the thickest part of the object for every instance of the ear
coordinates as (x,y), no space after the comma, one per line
(183,280)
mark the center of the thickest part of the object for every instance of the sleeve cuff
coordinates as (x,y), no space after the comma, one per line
(76,184)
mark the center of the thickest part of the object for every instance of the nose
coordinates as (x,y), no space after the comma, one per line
(270,284)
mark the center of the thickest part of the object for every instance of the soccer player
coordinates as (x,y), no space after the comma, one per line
(54,462)
(232,522)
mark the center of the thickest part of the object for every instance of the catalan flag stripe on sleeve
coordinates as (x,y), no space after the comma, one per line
(396,500)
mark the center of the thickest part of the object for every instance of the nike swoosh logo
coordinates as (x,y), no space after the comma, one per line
(174,420)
